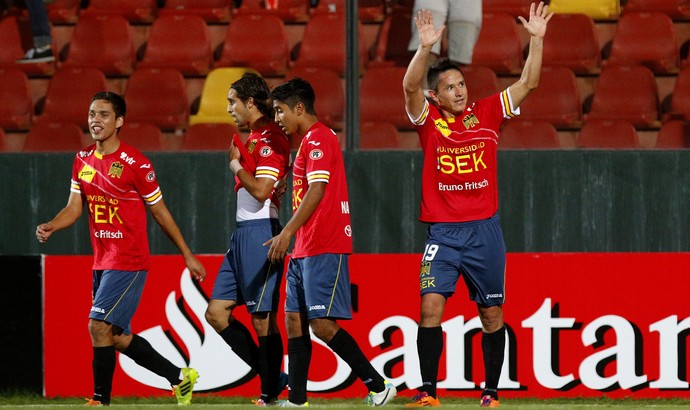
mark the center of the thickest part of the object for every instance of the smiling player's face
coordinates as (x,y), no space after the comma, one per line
(103,123)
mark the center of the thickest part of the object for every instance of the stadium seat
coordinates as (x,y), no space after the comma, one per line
(572,42)
(480,82)
(382,98)
(15,39)
(69,94)
(392,40)
(606,134)
(648,39)
(4,143)
(135,11)
(330,93)
(16,103)
(290,11)
(556,100)
(367,10)
(323,43)
(216,11)
(54,137)
(680,98)
(498,45)
(103,42)
(208,137)
(378,135)
(181,42)
(158,96)
(626,93)
(676,9)
(142,135)
(63,11)
(597,9)
(528,134)
(674,134)
(259,41)
(512,7)
(213,104)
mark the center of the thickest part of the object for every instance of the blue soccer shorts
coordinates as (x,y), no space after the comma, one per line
(475,250)
(116,295)
(320,286)
(246,275)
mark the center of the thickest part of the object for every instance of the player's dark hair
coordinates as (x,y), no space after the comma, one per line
(116,100)
(254,86)
(440,66)
(297,90)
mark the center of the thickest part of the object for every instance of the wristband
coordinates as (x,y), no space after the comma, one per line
(235,166)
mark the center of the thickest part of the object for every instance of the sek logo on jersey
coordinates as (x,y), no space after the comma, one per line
(461,160)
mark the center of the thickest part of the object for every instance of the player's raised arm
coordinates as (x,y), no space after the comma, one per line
(416,70)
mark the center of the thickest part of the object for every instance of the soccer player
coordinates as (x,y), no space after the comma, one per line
(460,197)
(246,275)
(318,280)
(116,182)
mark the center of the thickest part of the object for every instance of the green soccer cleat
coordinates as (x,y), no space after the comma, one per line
(183,391)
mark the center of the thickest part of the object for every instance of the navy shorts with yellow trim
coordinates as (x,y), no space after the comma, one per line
(320,286)
(116,295)
(475,250)
(246,275)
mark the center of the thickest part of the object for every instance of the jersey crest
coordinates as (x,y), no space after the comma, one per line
(470,121)
(115,170)
(252,145)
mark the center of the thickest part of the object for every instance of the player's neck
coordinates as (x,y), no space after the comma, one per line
(108,146)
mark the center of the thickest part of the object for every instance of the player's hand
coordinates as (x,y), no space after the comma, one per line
(278,249)
(44,231)
(538,19)
(428,35)
(234,152)
(196,269)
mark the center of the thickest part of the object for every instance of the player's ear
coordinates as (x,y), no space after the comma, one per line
(119,121)
(433,96)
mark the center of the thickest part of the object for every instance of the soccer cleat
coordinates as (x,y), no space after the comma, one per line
(92,403)
(424,400)
(183,391)
(262,403)
(488,401)
(38,55)
(380,399)
(288,403)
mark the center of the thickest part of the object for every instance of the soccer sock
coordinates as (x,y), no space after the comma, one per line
(237,336)
(274,345)
(493,347)
(103,365)
(345,346)
(299,353)
(141,351)
(264,370)
(429,349)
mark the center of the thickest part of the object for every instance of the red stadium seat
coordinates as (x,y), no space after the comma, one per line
(15,39)
(480,82)
(54,137)
(572,42)
(104,42)
(367,10)
(135,11)
(680,98)
(330,93)
(382,97)
(378,135)
(605,134)
(69,94)
(208,137)
(16,103)
(158,96)
(209,10)
(676,9)
(648,39)
(626,93)
(498,45)
(4,144)
(512,7)
(142,135)
(63,11)
(528,134)
(393,38)
(181,42)
(292,11)
(674,134)
(556,100)
(259,41)
(323,43)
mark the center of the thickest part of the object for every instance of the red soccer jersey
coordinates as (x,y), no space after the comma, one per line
(115,188)
(459,174)
(269,149)
(319,159)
